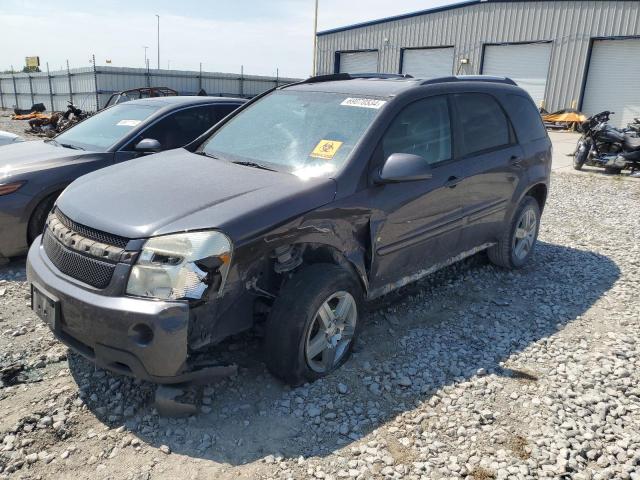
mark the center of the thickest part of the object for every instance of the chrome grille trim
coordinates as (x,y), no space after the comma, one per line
(79,254)
(91,233)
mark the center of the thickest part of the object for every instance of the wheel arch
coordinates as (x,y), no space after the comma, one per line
(539,192)
(35,204)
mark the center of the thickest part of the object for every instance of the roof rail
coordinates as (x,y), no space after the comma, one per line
(380,75)
(333,77)
(469,78)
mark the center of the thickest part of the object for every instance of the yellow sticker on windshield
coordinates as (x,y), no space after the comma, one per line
(326,149)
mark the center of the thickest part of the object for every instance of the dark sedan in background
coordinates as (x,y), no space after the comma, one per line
(33,174)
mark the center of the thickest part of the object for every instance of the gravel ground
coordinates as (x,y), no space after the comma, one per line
(475,373)
(15,126)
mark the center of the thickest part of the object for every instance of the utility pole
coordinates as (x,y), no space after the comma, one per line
(145,55)
(315,38)
(158,17)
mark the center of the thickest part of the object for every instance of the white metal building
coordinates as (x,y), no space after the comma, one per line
(583,54)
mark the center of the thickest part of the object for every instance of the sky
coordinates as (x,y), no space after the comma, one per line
(261,35)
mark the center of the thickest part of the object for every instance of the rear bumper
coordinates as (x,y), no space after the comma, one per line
(107,330)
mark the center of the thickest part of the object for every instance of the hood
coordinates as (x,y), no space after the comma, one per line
(19,158)
(8,137)
(178,191)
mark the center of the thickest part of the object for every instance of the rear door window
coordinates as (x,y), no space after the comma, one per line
(482,124)
(423,128)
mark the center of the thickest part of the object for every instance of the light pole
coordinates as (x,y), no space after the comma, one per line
(145,56)
(158,17)
(315,38)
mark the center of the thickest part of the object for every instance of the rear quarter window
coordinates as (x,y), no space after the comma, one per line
(525,118)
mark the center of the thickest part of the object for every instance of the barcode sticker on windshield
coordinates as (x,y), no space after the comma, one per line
(128,123)
(364,102)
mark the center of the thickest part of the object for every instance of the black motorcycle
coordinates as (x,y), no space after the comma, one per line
(604,146)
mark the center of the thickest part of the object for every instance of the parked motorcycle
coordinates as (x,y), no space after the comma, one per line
(57,122)
(604,146)
(69,118)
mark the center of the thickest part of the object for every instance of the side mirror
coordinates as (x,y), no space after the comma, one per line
(404,167)
(148,145)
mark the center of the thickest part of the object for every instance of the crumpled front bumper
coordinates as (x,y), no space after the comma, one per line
(137,337)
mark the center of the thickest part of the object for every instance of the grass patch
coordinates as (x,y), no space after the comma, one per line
(480,473)
(517,445)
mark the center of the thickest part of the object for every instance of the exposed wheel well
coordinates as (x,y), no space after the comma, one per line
(539,192)
(314,253)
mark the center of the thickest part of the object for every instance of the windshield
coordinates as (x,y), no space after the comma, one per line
(106,128)
(307,133)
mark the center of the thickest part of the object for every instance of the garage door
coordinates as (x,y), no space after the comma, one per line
(527,65)
(359,62)
(612,80)
(428,62)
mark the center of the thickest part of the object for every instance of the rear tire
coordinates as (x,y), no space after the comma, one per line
(39,217)
(296,328)
(517,242)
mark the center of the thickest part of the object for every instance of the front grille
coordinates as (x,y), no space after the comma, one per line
(81,267)
(91,233)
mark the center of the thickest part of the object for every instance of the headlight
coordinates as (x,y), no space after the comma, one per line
(179,266)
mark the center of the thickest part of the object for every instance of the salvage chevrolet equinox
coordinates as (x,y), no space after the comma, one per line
(293,211)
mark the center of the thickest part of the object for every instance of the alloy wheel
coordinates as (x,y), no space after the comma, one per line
(525,235)
(331,332)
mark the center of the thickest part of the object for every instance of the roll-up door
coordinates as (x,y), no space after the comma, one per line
(527,64)
(613,80)
(358,62)
(428,62)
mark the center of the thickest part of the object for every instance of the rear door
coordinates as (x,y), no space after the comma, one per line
(417,224)
(491,165)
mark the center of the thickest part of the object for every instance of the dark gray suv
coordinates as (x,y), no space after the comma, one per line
(295,210)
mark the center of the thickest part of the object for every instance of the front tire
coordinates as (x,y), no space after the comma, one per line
(580,155)
(39,217)
(517,242)
(313,324)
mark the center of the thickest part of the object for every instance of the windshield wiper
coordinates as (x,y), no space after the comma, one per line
(205,154)
(255,165)
(238,162)
(68,145)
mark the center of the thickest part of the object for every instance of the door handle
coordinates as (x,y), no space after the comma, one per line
(452,182)
(515,161)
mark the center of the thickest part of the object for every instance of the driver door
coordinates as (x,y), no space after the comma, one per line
(417,224)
